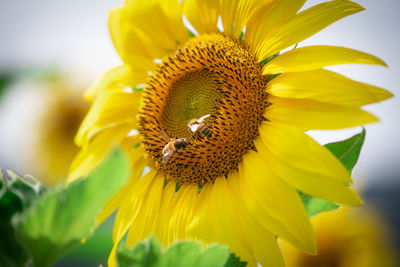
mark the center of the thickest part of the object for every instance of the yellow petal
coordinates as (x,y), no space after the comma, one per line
(309,114)
(199,224)
(130,144)
(244,11)
(129,210)
(274,204)
(232,216)
(317,57)
(139,42)
(312,183)
(117,79)
(305,24)
(168,201)
(202,14)
(109,109)
(145,223)
(96,151)
(174,11)
(263,243)
(268,17)
(228,12)
(227,218)
(295,147)
(289,153)
(180,214)
(223,223)
(164,20)
(113,204)
(326,86)
(130,47)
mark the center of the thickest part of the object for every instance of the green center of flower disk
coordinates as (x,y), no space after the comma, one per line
(213,77)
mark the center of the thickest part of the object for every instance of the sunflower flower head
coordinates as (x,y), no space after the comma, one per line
(211,75)
(217,120)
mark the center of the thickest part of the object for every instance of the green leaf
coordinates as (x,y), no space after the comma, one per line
(192,254)
(144,254)
(234,261)
(16,194)
(315,205)
(5,80)
(181,254)
(94,251)
(347,151)
(64,216)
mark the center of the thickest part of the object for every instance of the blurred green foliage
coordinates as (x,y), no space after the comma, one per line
(181,254)
(16,195)
(60,218)
(5,80)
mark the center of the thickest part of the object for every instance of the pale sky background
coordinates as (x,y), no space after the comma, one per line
(74,36)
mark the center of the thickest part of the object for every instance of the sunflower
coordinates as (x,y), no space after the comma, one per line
(63,113)
(214,121)
(346,237)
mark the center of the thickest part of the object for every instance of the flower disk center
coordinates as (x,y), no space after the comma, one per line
(192,96)
(201,109)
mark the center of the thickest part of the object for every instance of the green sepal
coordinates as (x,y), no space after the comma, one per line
(241,36)
(268,59)
(62,217)
(181,254)
(190,33)
(347,151)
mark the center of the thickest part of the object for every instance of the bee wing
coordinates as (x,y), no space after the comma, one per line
(167,156)
(194,127)
(202,118)
(165,136)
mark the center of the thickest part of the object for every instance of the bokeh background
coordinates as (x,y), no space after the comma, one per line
(51,50)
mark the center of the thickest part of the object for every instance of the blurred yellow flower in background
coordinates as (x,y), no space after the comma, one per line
(346,238)
(41,110)
(231,176)
(54,148)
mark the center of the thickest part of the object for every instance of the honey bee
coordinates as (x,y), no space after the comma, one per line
(198,125)
(173,144)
